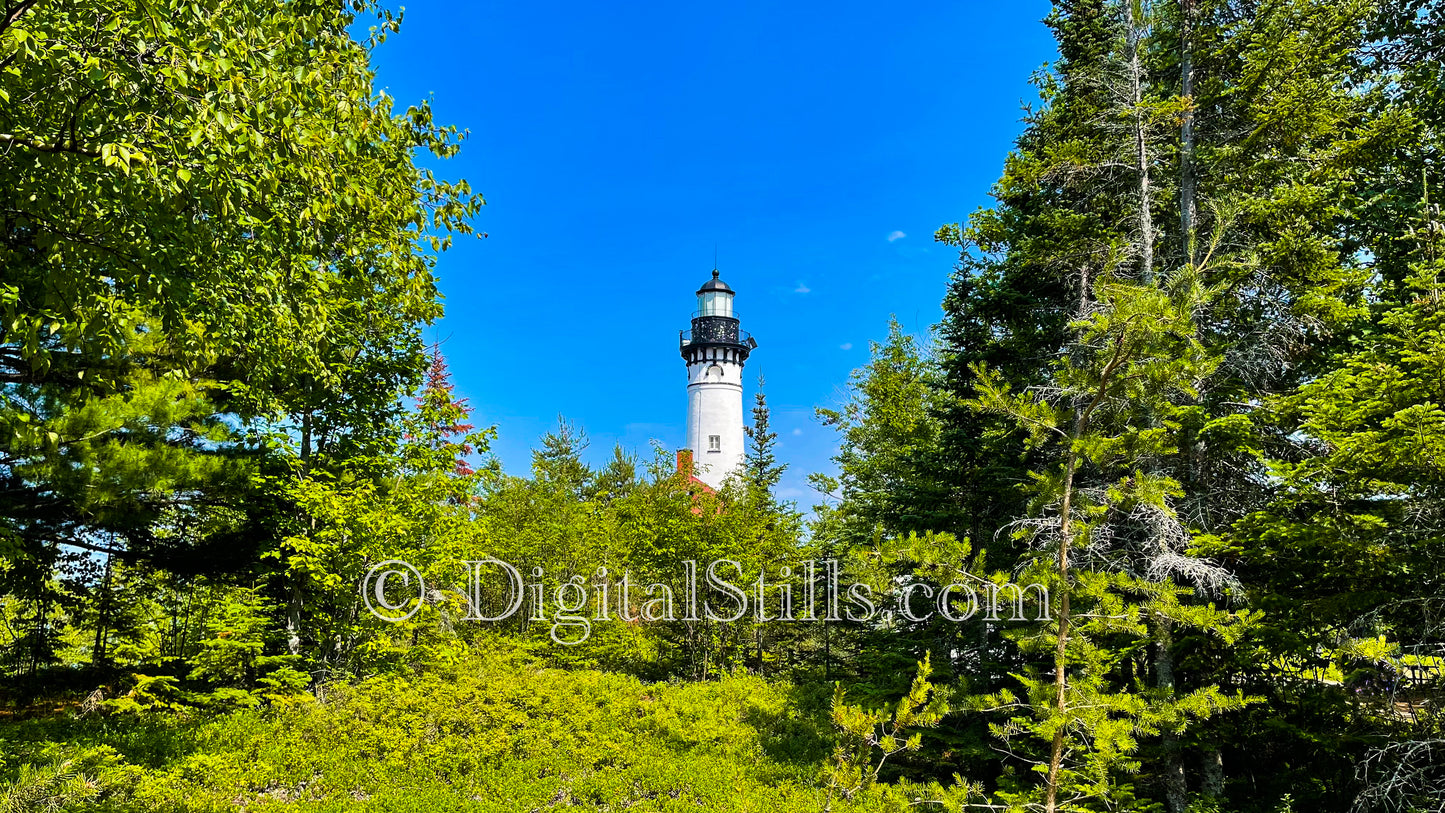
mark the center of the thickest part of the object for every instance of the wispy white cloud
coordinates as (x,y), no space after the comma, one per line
(802,289)
(797,432)
(896,236)
(845,346)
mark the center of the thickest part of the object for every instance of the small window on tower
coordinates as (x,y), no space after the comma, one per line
(714,443)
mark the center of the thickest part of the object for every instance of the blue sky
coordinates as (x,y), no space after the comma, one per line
(815,146)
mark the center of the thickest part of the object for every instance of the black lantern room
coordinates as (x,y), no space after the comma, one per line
(715,333)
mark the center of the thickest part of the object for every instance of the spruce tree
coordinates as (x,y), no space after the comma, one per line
(762,471)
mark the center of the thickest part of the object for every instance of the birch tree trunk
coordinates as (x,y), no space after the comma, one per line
(1137,11)
(295,602)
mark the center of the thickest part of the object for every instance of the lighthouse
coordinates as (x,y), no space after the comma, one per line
(715,349)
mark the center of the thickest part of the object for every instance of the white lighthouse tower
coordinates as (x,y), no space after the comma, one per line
(715,350)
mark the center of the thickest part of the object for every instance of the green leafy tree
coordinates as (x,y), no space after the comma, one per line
(418,505)
(216,248)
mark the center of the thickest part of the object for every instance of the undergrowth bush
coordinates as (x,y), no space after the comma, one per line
(496,732)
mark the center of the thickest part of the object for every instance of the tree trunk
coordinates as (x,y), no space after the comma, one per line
(295,599)
(185,631)
(1176,791)
(102,617)
(1212,773)
(1188,222)
(1188,194)
(293,617)
(1056,751)
(1137,12)
(1066,504)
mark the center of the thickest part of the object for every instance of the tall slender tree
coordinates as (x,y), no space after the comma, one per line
(763,471)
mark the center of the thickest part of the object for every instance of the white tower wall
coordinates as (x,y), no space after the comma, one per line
(715,416)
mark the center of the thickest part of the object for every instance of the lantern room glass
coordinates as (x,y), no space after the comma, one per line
(715,303)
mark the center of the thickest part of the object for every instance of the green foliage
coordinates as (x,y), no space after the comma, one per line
(889,420)
(1279,160)
(236,638)
(416,504)
(1133,356)
(151,693)
(494,732)
(166,160)
(85,779)
(1188,379)
(863,732)
(216,255)
(763,471)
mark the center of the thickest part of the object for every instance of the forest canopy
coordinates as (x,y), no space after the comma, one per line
(1190,378)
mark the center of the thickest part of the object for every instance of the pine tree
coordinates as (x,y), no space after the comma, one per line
(437,436)
(1348,553)
(762,471)
(558,464)
(619,477)
(886,427)
(1116,544)
(1273,135)
(1025,268)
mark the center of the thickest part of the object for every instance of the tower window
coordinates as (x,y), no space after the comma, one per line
(714,443)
